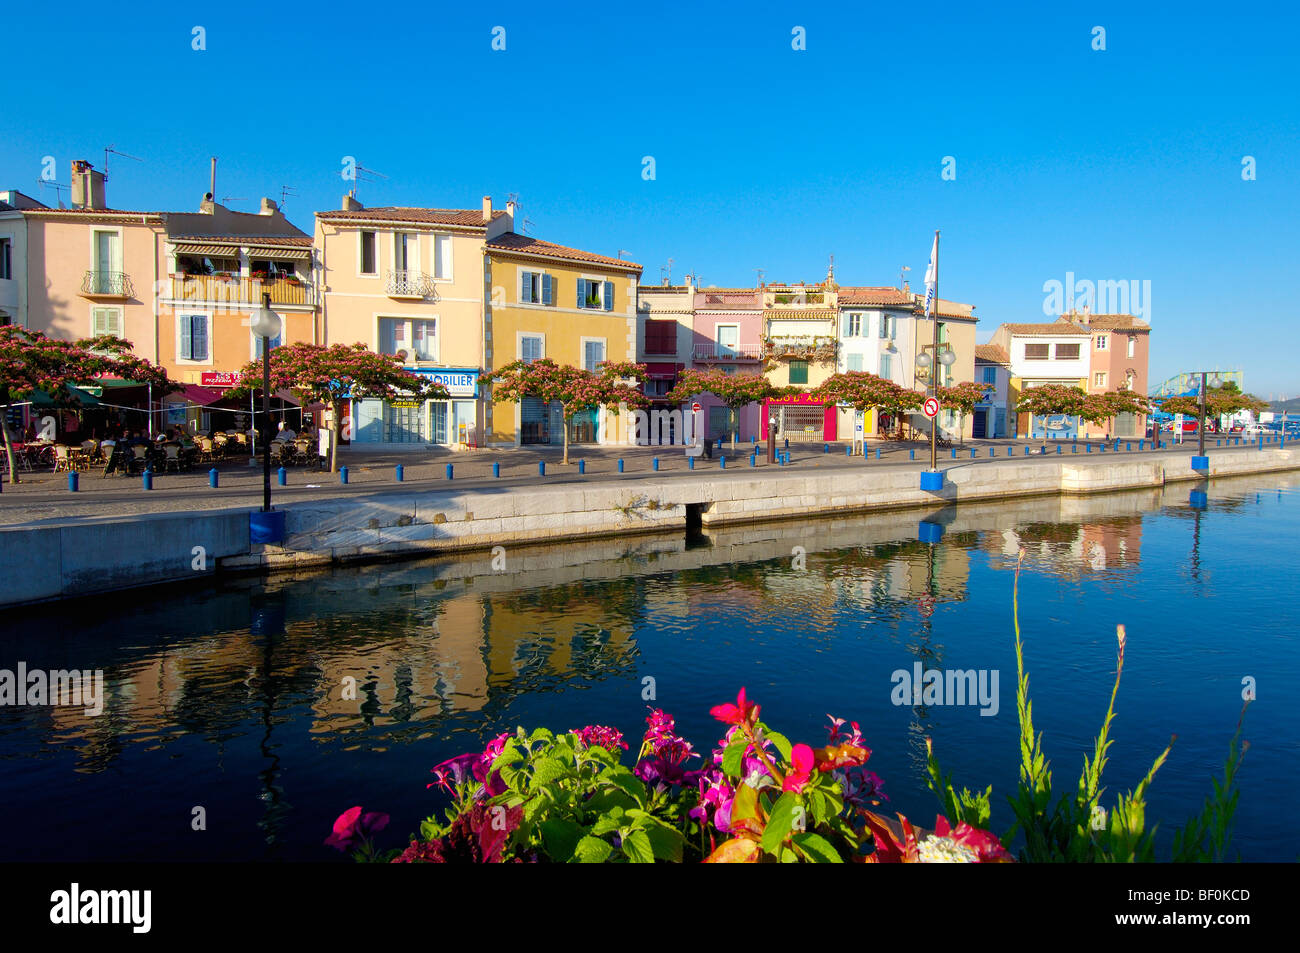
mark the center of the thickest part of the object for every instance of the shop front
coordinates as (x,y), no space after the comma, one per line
(801,418)
(451,422)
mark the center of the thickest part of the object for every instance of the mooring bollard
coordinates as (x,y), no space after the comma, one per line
(343,474)
(147,479)
(753,459)
(449,471)
(283,476)
(911,454)
(1058,449)
(582,466)
(620,465)
(213,478)
(496,469)
(954,453)
(722,463)
(848,451)
(400,473)
(654,463)
(541,468)
(972,453)
(1088,447)
(826,448)
(73,480)
(690,463)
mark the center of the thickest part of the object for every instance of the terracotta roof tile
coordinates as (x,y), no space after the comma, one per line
(808,314)
(1054,328)
(859,297)
(1110,322)
(293,240)
(991,354)
(525,245)
(463,217)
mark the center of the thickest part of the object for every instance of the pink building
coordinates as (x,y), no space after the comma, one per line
(727,334)
(1118,354)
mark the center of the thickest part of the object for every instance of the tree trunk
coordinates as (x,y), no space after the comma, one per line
(565,459)
(9,452)
(336,428)
(733,429)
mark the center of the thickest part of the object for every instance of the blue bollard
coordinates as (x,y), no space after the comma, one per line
(283,476)
(848,451)
(1129,445)
(753,459)
(1026,451)
(496,469)
(877,453)
(1088,447)
(541,468)
(954,453)
(722,463)
(690,463)
(147,479)
(582,466)
(972,453)
(911,454)
(343,475)
(1218,443)
(400,473)
(993,451)
(1261,441)
(73,480)
(620,465)
(826,448)
(213,478)
(654,463)
(1058,449)
(1142,444)
(449,471)
(1074,448)
(787,443)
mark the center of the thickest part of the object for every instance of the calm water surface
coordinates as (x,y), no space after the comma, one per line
(231,700)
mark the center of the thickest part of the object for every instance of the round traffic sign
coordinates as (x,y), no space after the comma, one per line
(696,408)
(931,408)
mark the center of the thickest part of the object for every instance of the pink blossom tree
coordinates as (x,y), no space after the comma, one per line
(733,390)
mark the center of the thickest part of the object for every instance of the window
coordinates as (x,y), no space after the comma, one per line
(593,353)
(853,362)
(1037,352)
(406,251)
(106,321)
(595,295)
(531,347)
(6,258)
(1099,379)
(257,344)
(728,337)
(1132,346)
(888,326)
(193,337)
(417,339)
(884,366)
(990,375)
(442,257)
(852,326)
(798,372)
(368,265)
(1102,342)
(1067,352)
(536,287)
(660,336)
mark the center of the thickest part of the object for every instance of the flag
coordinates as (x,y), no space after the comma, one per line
(931,277)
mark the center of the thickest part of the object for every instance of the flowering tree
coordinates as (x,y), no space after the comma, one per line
(573,388)
(734,390)
(1048,399)
(962,398)
(1105,407)
(317,374)
(863,390)
(1219,402)
(31,362)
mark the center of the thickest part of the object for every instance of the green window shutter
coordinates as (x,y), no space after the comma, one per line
(798,372)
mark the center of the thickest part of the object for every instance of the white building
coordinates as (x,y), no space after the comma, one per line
(1049,353)
(993,369)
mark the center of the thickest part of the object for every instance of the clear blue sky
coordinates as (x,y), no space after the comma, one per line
(1116,165)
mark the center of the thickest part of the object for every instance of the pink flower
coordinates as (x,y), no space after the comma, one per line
(611,739)
(736,714)
(983,844)
(802,762)
(352,826)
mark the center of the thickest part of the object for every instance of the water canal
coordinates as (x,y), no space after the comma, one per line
(229,698)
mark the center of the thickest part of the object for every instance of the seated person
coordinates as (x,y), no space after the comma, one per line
(285,433)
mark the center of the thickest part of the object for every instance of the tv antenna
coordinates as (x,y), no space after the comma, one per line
(666,271)
(226,199)
(56,186)
(287,192)
(109,150)
(622,252)
(525,225)
(902,272)
(760,272)
(361,174)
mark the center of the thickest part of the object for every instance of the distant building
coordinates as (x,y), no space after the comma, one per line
(1118,360)
(1044,353)
(728,330)
(992,417)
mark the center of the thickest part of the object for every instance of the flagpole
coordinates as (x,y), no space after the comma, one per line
(934,365)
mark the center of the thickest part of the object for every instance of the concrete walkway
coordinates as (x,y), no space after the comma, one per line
(42,497)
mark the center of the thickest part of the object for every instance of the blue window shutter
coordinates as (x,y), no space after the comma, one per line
(582,292)
(199,335)
(548,289)
(609,296)
(185,337)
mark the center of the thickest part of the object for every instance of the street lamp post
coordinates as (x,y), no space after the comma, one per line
(266,325)
(925,364)
(1206,376)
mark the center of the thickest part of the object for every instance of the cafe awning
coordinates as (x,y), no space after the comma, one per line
(78,399)
(194,394)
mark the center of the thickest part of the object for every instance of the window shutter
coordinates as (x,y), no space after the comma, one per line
(187,340)
(582,292)
(201,333)
(609,296)
(548,289)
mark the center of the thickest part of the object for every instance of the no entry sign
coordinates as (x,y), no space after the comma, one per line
(931,408)
(696,408)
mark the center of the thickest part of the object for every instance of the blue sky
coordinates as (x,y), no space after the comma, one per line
(1117,165)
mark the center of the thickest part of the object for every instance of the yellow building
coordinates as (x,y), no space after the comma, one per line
(571,306)
(410,281)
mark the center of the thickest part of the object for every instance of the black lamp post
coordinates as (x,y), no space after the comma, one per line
(1201,429)
(266,325)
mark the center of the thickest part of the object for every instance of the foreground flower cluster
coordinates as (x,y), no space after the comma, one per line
(543,797)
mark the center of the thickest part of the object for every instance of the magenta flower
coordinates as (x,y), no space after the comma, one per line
(611,739)
(802,763)
(352,826)
(737,714)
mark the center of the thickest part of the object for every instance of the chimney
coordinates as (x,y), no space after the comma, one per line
(350,204)
(268,207)
(907,289)
(510,209)
(487,209)
(87,185)
(212,179)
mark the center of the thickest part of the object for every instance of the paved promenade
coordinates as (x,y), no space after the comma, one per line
(42,497)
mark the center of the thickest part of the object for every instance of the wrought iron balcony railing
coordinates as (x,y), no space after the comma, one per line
(408,284)
(107,284)
(721,352)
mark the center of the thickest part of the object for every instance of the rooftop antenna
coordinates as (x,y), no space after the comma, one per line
(227,199)
(668,271)
(287,192)
(525,225)
(109,150)
(902,280)
(361,174)
(622,252)
(760,272)
(56,186)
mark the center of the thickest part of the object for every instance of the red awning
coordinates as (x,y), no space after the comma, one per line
(662,370)
(195,394)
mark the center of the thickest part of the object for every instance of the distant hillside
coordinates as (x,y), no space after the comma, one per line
(1285,406)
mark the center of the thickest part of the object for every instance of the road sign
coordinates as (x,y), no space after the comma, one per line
(931,408)
(696,408)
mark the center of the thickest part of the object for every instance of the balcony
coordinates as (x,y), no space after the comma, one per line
(821,349)
(728,355)
(236,289)
(409,284)
(107,284)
